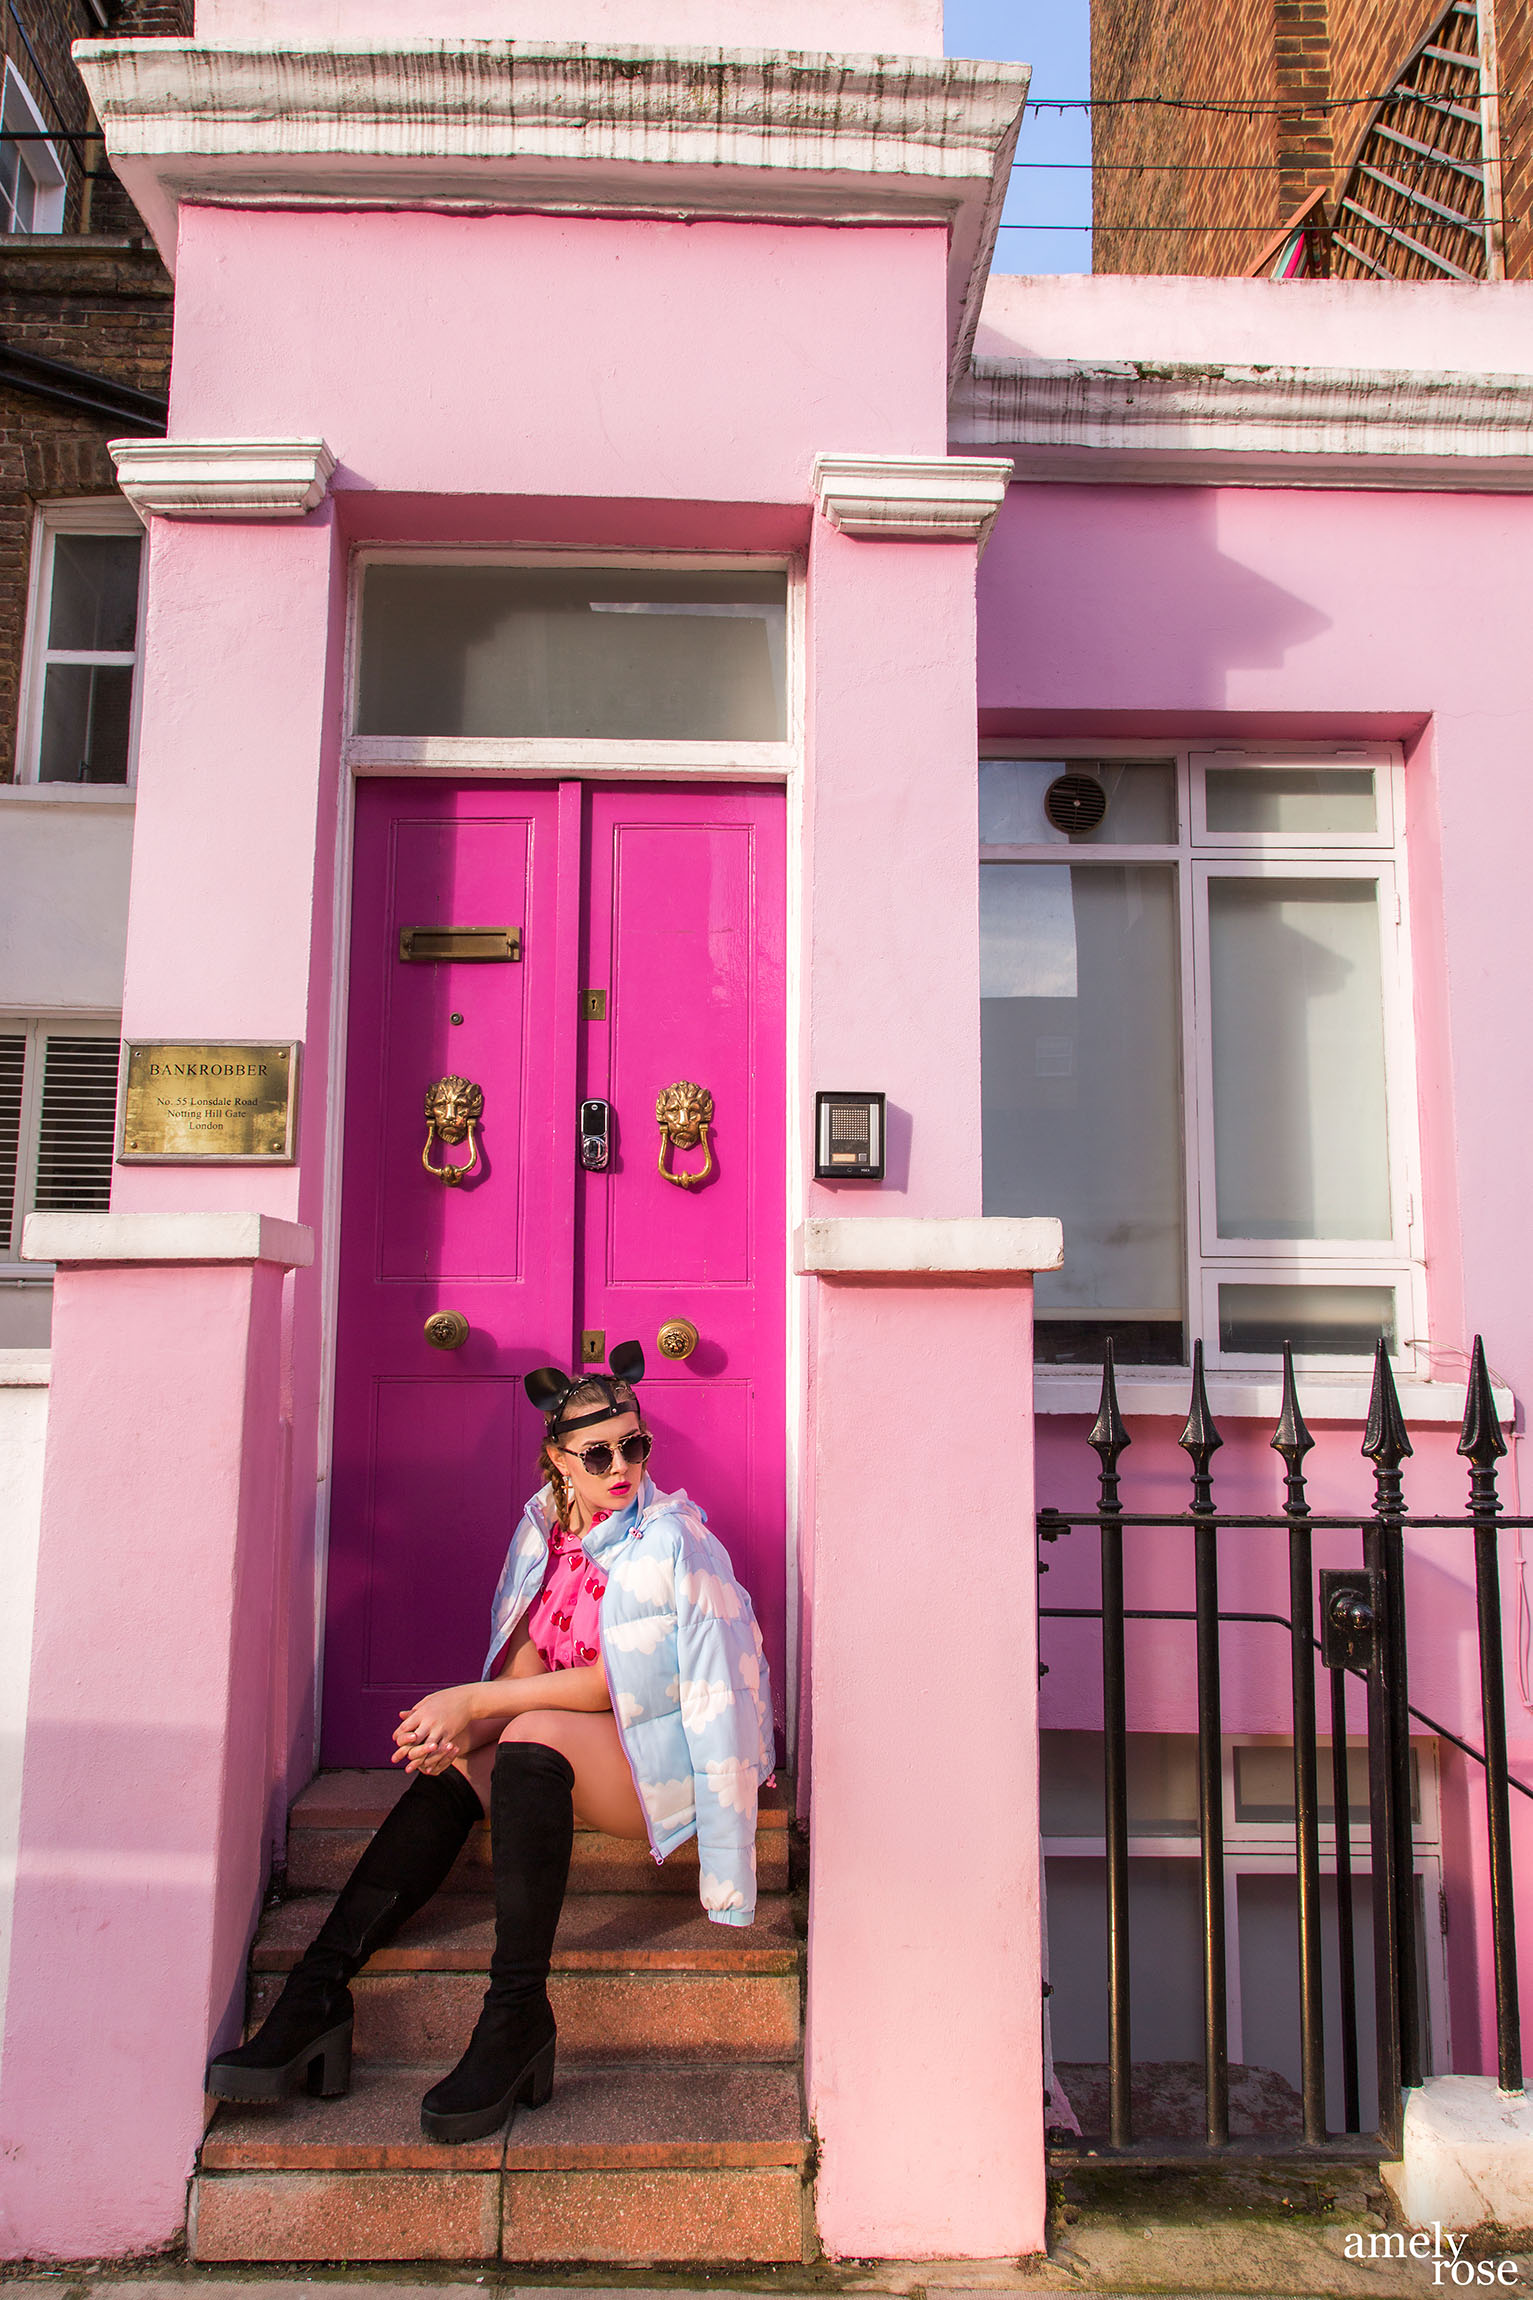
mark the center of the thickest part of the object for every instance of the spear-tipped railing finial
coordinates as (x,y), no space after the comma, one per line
(1480,1440)
(1386,1441)
(1291,1438)
(1109,1438)
(1200,1439)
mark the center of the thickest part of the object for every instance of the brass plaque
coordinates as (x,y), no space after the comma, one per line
(449,945)
(235,1103)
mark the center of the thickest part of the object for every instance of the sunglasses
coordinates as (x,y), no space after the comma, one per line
(598,1460)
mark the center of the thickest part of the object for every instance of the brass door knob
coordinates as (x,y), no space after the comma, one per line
(447,1330)
(677,1338)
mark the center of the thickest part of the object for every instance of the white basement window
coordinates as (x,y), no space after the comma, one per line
(58,1120)
(79,680)
(1197,1050)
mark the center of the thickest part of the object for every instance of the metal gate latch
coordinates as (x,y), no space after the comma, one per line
(1349,1618)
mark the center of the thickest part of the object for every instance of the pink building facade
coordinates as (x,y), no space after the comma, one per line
(702,339)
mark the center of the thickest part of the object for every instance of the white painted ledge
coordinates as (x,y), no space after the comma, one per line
(900,1245)
(1467,2157)
(571,128)
(227,1237)
(912,498)
(222,478)
(1257,1396)
(1149,423)
(25,1369)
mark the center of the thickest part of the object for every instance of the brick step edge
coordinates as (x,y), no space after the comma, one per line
(320,1860)
(631,2219)
(599,1933)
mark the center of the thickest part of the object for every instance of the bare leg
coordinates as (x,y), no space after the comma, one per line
(605,1797)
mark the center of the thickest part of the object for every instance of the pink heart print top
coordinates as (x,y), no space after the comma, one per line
(562,1622)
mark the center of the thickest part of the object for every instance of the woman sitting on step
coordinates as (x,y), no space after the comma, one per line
(625,1684)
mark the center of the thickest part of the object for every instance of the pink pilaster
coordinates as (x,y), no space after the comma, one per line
(139,1864)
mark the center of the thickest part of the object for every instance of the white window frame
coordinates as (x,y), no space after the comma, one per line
(1266,1848)
(544,755)
(92,515)
(19,116)
(37,1030)
(1196,856)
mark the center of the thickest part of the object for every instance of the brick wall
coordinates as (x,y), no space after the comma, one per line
(1243,174)
(95,297)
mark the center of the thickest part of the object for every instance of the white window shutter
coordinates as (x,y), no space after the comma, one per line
(13,1071)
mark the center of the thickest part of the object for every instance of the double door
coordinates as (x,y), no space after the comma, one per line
(550,947)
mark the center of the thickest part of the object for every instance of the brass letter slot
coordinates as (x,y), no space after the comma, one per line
(434,945)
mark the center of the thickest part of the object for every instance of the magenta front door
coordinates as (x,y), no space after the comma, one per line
(651,931)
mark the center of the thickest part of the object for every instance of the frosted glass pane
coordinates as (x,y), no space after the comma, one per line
(1300,1138)
(502,651)
(1082,1083)
(1316,802)
(1140,795)
(1327,1321)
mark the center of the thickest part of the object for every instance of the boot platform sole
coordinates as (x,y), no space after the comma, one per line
(530,2088)
(323,2068)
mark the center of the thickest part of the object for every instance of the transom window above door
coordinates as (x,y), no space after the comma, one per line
(1196,1050)
(478,649)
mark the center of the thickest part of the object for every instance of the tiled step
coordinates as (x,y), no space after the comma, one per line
(629,2164)
(337,1813)
(634,1978)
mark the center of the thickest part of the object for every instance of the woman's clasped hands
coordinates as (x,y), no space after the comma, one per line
(436,1731)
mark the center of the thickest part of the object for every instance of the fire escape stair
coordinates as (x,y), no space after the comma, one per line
(676,2131)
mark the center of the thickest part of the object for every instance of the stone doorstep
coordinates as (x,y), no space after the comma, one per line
(634,2118)
(424,2017)
(358,1798)
(622,2218)
(598,1932)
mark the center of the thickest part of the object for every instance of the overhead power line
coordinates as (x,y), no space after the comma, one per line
(1242,107)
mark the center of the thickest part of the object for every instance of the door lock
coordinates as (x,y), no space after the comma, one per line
(677,1338)
(447,1330)
(595,1136)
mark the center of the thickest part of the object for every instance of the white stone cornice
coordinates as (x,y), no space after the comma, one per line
(912,498)
(222,478)
(487,124)
(904,1245)
(1247,426)
(214,1237)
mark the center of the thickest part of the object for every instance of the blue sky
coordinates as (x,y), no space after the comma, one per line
(1053,186)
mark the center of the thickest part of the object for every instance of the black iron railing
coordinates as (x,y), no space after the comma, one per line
(1361,1632)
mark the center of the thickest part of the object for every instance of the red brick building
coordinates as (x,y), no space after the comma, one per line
(84,357)
(1366,138)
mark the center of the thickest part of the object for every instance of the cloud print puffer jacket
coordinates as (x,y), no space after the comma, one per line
(688,1677)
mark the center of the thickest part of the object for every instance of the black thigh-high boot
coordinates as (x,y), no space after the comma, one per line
(307,2034)
(510,2056)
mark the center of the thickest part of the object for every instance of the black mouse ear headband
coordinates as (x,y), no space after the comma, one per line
(550,1390)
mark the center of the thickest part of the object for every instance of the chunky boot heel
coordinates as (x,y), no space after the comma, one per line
(330,2069)
(286,2055)
(539,2082)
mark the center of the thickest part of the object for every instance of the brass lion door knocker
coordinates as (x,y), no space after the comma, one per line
(454,1107)
(685,1113)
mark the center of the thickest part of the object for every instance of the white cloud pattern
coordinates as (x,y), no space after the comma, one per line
(641,1636)
(719,1893)
(733,1782)
(703,1699)
(629,1708)
(650,1580)
(710,1593)
(667,1802)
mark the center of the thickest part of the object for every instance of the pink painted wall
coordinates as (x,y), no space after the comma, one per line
(1243,613)
(562,356)
(890,931)
(903,27)
(924,2052)
(139,1870)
